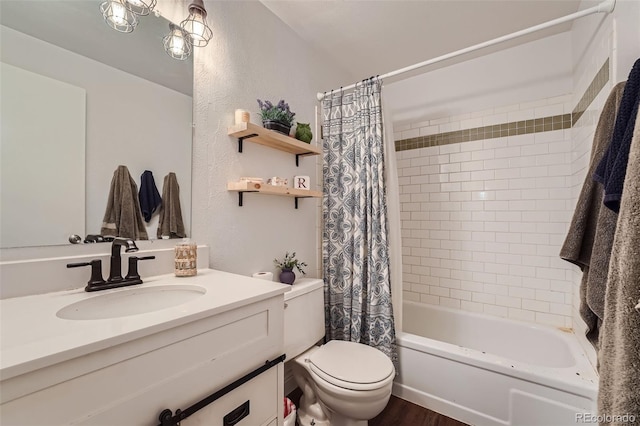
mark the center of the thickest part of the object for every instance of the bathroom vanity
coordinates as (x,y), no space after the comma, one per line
(122,356)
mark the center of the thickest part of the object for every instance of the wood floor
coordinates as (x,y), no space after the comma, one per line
(400,413)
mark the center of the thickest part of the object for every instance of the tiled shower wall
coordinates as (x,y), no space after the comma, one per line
(483,220)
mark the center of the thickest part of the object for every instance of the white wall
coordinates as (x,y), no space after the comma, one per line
(252,55)
(536,70)
(129,121)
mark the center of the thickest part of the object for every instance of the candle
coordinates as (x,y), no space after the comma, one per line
(242,116)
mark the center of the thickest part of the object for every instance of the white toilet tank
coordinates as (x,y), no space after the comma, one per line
(303,316)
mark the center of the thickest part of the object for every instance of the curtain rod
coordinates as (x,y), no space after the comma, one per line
(606,6)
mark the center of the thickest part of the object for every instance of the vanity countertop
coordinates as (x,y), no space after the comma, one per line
(34,337)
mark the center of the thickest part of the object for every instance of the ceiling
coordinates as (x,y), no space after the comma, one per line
(369,38)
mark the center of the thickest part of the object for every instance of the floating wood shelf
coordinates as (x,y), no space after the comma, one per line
(258,134)
(243,186)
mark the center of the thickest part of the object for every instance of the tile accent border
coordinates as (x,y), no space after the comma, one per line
(598,82)
(537,125)
(556,122)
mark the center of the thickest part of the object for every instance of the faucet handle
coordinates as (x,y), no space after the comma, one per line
(96,272)
(132,273)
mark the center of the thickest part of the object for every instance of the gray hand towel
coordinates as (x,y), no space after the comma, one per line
(170,223)
(590,236)
(619,391)
(122,217)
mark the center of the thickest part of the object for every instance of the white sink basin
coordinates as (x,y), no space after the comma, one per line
(131,301)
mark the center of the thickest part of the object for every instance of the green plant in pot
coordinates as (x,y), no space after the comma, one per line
(276,117)
(287,276)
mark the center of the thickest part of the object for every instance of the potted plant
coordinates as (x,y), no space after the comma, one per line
(287,276)
(276,117)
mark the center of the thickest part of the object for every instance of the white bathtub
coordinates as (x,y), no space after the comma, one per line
(486,370)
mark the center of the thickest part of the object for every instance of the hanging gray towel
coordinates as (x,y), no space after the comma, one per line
(619,391)
(149,196)
(613,166)
(590,236)
(170,223)
(122,217)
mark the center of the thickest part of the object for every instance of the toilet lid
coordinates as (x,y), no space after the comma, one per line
(351,363)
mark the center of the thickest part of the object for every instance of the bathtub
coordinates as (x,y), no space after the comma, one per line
(485,370)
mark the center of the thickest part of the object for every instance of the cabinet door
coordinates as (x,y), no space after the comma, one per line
(253,403)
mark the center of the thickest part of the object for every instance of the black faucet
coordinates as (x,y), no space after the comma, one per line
(115,274)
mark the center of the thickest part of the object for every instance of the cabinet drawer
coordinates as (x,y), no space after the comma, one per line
(254,403)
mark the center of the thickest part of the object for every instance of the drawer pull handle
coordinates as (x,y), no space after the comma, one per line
(236,415)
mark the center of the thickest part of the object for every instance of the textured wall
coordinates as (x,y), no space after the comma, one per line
(252,55)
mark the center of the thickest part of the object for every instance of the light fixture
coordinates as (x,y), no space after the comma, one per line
(118,16)
(141,7)
(196,24)
(177,43)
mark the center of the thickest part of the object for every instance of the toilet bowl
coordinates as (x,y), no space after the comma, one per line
(343,383)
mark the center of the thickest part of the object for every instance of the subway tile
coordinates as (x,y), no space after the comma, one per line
(408,134)
(449,149)
(407,295)
(484,154)
(469,166)
(430,299)
(473,185)
(460,177)
(521,314)
(471,306)
(499,311)
(440,178)
(463,195)
(549,296)
(419,161)
(460,294)
(460,157)
(429,130)
(510,302)
(535,305)
(451,303)
(442,120)
(471,123)
(438,291)
(550,319)
(483,298)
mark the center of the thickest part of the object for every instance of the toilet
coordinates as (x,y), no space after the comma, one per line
(343,383)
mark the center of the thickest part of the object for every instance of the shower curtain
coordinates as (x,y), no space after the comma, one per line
(355,246)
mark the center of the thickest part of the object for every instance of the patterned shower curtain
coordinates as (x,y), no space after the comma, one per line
(355,246)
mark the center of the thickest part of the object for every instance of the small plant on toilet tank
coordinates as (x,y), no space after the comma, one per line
(286,265)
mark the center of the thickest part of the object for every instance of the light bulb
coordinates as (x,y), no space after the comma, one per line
(177,43)
(117,16)
(118,13)
(196,24)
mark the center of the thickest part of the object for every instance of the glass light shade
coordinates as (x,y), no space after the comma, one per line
(141,7)
(196,24)
(177,43)
(118,16)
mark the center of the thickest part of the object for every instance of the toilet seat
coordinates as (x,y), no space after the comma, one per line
(350,365)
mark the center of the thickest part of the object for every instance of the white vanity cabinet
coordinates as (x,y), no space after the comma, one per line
(140,372)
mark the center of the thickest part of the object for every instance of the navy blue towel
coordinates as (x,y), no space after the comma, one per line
(613,166)
(149,196)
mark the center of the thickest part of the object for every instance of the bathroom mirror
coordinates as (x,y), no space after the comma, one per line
(134,101)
